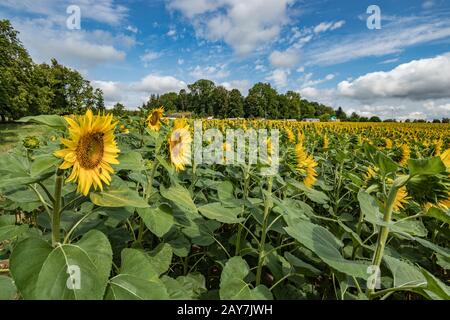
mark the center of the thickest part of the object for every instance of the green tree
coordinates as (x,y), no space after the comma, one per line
(236,104)
(118,109)
(262,101)
(16,68)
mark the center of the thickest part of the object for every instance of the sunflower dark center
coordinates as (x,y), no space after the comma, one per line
(90,150)
(154,118)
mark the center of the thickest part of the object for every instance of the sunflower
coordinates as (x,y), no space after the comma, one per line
(124,129)
(326,142)
(154,119)
(91,149)
(290,135)
(405,153)
(371,173)
(305,165)
(180,145)
(445,157)
(400,199)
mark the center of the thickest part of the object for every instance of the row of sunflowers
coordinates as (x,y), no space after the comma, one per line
(114,208)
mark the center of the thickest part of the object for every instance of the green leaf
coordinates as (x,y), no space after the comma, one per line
(161,258)
(185,287)
(233,286)
(115,198)
(43,163)
(26,262)
(90,261)
(386,164)
(138,278)
(217,211)
(429,166)
(180,196)
(326,246)
(130,161)
(7,288)
(436,290)
(53,121)
(157,220)
(439,215)
(129,287)
(136,263)
(11,232)
(404,273)
(313,195)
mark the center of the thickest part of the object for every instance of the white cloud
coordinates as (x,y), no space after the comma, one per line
(149,56)
(392,38)
(286,59)
(210,72)
(180,62)
(307,80)
(244,25)
(428,4)
(325,26)
(172,33)
(279,77)
(416,80)
(242,85)
(105,11)
(132,29)
(158,84)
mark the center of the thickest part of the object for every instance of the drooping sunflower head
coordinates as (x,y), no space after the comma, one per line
(90,150)
(290,135)
(154,119)
(305,165)
(180,141)
(405,153)
(401,199)
(445,157)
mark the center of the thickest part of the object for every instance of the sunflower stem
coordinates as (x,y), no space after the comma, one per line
(384,232)
(56,218)
(262,244)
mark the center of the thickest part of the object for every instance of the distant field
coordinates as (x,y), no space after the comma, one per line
(12,133)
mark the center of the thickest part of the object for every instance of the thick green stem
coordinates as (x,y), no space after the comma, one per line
(148,194)
(241,227)
(56,218)
(262,244)
(384,232)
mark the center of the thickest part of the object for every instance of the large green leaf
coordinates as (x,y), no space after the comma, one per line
(435,290)
(233,286)
(90,261)
(129,287)
(429,166)
(326,246)
(130,161)
(185,287)
(26,262)
(7,288)
(11,232)
(404,273)
(138,279)
(180,196)
(53,121)
(158,220)
(43,163)
(386,164)
(217,211)
(313,195)
(121,197)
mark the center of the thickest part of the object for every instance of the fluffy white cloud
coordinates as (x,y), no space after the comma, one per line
(210,72)
(279,77)
(81,49)
(105,11)
(416,80)
(244,25)
(242,85)
(158,84)
(149,56)
(284,59)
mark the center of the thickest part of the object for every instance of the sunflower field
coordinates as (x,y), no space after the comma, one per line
(113,208)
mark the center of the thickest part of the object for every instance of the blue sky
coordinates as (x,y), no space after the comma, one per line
(322,49)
